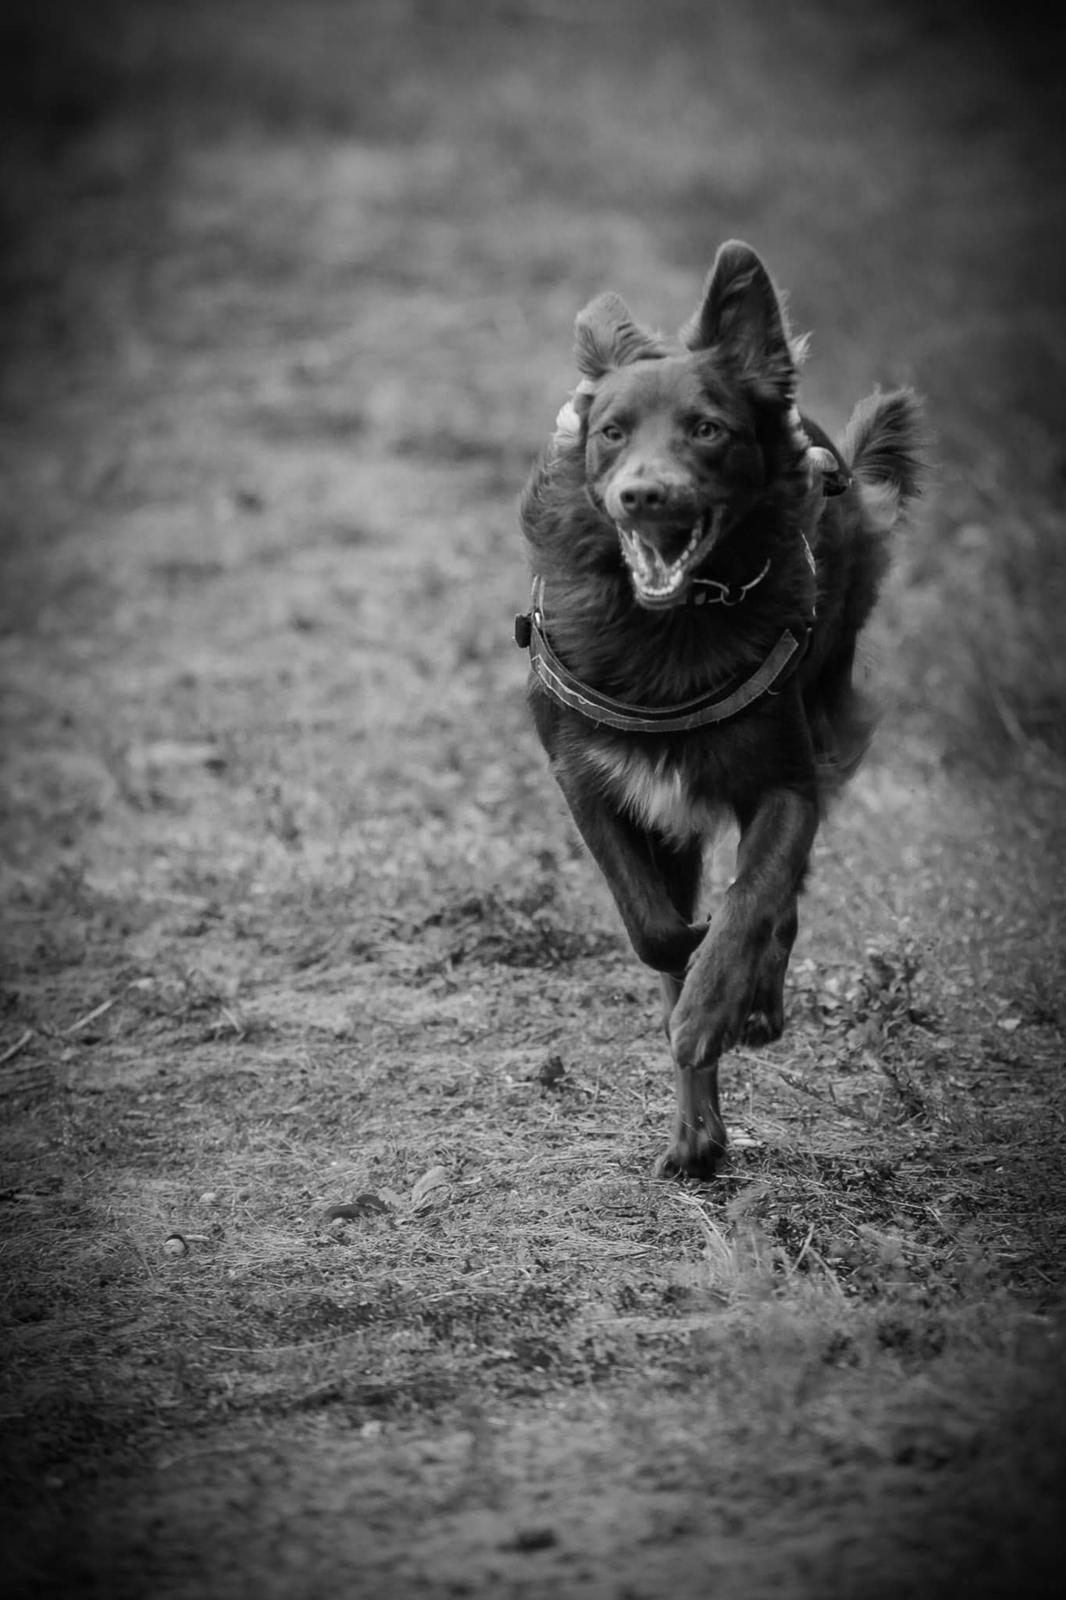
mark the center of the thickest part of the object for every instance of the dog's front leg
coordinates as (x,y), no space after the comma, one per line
(637,876)
(717,995)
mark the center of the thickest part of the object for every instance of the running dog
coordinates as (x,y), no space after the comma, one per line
(703,560)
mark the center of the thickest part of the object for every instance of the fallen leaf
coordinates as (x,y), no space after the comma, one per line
(364,1205)
(425,1192)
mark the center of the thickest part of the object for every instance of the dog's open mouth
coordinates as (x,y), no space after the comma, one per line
(657,581)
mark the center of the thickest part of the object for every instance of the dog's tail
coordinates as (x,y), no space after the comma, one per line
(886,443)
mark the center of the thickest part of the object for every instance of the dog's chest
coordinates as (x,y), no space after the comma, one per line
(657,794)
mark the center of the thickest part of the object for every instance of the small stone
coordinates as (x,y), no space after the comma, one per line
(527,1540)
(552,1071)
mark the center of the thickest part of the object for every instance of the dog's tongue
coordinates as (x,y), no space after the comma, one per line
(654,568)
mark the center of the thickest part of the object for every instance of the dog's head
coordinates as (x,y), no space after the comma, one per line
(674,437)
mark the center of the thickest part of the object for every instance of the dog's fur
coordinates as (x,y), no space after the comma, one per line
(677,464)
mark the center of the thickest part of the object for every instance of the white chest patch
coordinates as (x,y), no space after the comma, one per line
(656,795)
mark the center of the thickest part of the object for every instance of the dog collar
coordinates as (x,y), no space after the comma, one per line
(716,706)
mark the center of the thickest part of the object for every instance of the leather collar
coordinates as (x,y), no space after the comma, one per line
(718,705)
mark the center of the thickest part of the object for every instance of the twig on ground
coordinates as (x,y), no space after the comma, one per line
(12,1050)
(826,1268)
(90,1016)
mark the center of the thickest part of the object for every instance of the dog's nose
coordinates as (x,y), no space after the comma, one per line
(637,498)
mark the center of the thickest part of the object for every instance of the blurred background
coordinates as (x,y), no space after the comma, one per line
(234,229)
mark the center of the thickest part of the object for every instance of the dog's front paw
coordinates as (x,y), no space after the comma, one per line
(718,994)
(693,1152)
(700,1034)
(698,1134)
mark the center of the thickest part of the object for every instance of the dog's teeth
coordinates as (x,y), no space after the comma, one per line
(652,576)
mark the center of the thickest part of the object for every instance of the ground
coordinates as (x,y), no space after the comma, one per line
(333,1263)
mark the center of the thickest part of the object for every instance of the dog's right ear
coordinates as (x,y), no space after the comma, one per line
(605,337)
(742,316)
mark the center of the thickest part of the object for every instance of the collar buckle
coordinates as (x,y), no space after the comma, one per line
(729,594)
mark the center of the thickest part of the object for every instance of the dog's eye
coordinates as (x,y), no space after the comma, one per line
(705,429)
(611,433)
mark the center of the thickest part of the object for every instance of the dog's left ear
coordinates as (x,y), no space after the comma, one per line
(742,316)
(605,337)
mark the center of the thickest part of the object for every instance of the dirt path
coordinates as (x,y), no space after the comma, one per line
(293,917)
